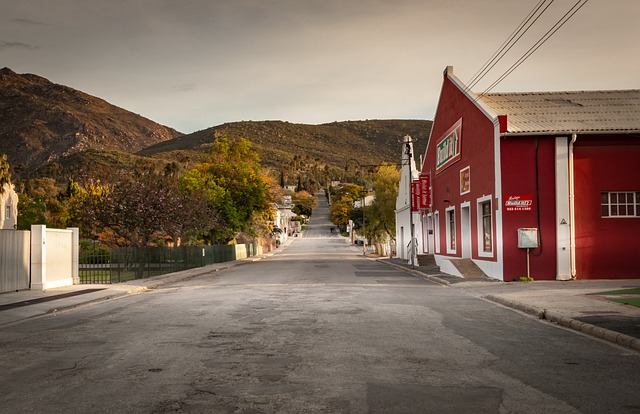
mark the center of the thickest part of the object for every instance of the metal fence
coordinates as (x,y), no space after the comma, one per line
(128,263)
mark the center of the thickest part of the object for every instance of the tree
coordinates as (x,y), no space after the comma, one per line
(231,181)
(385,186)
(142,207)
(342,203)
(5,172)
(304,203)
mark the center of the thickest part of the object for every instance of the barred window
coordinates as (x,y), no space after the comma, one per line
(620,203)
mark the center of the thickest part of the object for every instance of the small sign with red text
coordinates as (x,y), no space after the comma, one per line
(522,202)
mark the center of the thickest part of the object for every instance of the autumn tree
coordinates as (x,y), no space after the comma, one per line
(5,172)
(385,182)
(342,203)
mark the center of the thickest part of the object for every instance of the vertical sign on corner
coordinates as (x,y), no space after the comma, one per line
(425,191)
(415,195)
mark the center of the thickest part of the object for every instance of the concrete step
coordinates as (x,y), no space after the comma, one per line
(426,260)
(468,269)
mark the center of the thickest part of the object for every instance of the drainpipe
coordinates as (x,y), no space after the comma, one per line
(572,215)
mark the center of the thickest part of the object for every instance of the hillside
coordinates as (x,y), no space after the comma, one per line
(42,122)
(277,142)
(52,130)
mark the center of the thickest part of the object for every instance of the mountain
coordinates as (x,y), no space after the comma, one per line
(334,144)
(52,130)
(42,122)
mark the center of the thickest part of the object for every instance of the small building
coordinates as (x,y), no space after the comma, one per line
(544,184)
(408,218)
(8,207)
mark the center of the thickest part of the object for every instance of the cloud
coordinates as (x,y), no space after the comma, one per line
(28,22)
(16,45)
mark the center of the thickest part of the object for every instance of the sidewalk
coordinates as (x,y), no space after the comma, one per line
(572,304)
(25,304)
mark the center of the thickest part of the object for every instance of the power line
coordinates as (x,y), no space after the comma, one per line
(509,43)
(568,15)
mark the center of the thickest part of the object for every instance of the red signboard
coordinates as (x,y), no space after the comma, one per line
(425,192)
(415,195)
(522,202)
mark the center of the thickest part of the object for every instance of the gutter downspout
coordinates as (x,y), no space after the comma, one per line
(572,215)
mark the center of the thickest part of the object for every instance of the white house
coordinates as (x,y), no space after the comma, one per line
(405,218)
(8,207)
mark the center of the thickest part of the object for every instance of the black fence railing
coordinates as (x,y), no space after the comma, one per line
(128,263)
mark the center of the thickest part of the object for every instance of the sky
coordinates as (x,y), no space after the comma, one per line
(193,64)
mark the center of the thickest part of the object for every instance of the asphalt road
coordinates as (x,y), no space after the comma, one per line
(316,328)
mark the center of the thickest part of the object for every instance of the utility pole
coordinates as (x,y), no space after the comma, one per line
(407,143)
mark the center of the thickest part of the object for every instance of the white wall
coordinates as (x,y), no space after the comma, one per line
(404,216)
(54,257)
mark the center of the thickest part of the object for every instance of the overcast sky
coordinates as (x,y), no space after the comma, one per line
(192,64)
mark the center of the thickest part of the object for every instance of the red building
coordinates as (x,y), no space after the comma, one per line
(542,184)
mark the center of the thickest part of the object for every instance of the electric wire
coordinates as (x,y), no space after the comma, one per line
(508,44)
(564,19)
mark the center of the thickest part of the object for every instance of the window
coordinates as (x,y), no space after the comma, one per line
(620,203)
(7,216)
(487,232)
(451,231)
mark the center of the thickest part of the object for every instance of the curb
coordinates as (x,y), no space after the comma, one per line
(576,325)
(539,313)
(416,273)
(132,288)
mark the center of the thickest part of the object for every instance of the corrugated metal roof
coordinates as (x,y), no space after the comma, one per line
(562,112)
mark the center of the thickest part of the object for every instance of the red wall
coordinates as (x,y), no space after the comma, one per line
(476,151)
(518,164)
(606,248)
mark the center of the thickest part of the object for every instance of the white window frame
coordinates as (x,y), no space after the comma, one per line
(632,205)
(436,231)
(451,238)
(480,222)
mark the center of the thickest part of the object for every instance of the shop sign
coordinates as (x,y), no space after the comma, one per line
(465,180)
(522,202)
(425,191)
(415,195)
(448,147)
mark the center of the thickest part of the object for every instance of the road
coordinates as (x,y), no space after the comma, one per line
(316,328)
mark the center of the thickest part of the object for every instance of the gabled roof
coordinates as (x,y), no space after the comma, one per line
(568,112)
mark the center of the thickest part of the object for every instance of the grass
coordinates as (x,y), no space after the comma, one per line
(632,301)
(629,301)
(633,291)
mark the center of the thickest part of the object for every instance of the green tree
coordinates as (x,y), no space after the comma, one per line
(382,212)
(231,181)
(5,172)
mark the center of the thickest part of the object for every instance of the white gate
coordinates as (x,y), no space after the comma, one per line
(15,253)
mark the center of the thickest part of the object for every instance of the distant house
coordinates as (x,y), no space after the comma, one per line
(408,217)
(544,182)
(8,208)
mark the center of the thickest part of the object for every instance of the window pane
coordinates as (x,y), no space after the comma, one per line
(614,210)
(604,198)
(622,198)
(605,211)
(614,198)
(622,210)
